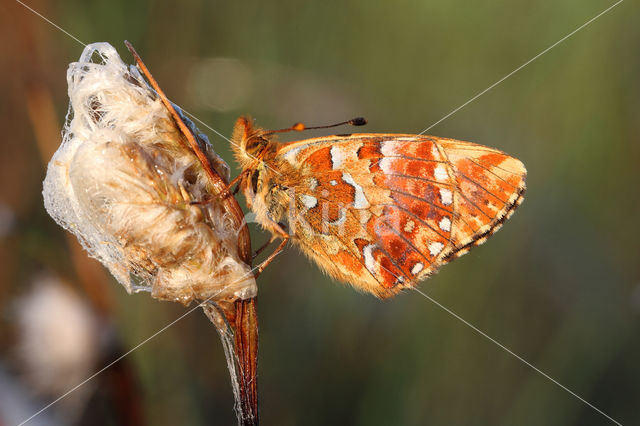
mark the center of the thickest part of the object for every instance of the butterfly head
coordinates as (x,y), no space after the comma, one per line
(254,149)
(249,143)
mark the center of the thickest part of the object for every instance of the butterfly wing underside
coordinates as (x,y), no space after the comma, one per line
(385,211)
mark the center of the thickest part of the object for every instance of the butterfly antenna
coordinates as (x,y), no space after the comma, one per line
(299,127)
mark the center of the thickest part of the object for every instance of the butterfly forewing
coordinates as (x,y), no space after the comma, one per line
(382,211)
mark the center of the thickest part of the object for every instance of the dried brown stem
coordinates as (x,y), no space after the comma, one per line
(241,316)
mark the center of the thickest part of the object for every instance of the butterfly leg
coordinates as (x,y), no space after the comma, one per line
(278,231)
(228,192)
(272,256)
(221,197)
(237,180)
(264,246)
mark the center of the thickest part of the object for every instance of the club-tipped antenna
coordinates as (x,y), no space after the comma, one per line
(299,127)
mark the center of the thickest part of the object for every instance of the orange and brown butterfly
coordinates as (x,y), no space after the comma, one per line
(378,211)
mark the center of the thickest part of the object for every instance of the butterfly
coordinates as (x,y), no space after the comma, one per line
(378,211)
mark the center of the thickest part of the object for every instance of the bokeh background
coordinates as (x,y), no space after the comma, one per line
(559,284)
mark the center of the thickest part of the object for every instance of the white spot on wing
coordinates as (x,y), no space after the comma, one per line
(440,173)
(337,157)
(388,148)
(369,261)
(386,165)
(417,268)
(481,240)
(290,155)
(435,248)
(446,196)
(445,224)
(359,201)
(333,182)
(309,201)
(408,227)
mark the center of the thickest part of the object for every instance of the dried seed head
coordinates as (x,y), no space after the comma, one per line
(125,183)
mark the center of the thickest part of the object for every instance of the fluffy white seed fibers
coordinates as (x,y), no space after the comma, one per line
(138,200)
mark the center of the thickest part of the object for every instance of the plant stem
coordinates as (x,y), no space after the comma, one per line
(237,325)
(237,322)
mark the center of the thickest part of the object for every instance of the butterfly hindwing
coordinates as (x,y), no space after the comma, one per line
(383,211)
(489,186)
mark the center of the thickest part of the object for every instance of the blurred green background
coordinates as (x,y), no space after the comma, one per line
(559,285)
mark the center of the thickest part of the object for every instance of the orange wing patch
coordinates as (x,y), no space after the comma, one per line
(384,211)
